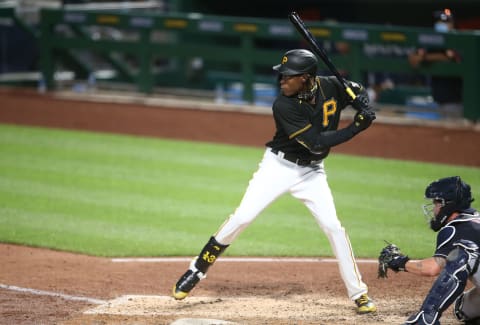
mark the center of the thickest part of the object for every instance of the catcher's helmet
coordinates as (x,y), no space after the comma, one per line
(454,195)
(296,62)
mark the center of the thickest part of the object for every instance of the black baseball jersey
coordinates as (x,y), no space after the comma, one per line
(295,118)
(465,226)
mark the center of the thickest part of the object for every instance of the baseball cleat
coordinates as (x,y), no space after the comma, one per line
(365,305)
(186,283)
(178,295)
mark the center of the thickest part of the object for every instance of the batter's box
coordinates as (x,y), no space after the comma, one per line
(300,308)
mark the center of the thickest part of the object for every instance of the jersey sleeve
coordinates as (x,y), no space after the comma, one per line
(290,119)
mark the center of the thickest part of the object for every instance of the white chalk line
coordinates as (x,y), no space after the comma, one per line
(235,260)
(53,294)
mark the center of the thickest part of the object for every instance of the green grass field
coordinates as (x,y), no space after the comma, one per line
(113,195)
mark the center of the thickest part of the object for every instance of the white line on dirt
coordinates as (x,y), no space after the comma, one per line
(235,259)
(53,294)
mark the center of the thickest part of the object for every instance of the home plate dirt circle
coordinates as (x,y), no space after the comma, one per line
(202,321)
(199,310)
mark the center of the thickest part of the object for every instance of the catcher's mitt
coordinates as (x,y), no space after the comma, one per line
(391,258)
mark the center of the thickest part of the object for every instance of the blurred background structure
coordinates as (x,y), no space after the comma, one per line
(223,51)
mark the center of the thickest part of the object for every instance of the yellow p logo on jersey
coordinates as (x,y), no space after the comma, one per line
(329,108)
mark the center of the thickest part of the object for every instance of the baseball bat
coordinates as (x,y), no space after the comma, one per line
(320,51)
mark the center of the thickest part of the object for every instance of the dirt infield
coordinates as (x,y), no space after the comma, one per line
(39,286)
(92,290)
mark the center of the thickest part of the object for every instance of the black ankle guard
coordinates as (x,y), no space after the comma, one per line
(209,255)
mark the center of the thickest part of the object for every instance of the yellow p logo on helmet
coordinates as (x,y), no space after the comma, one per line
(284,60)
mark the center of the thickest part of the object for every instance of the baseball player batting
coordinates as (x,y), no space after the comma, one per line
(307,114)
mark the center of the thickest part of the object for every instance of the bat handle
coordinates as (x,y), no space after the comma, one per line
(350,92)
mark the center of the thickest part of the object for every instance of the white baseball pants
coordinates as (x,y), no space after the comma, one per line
(274,177)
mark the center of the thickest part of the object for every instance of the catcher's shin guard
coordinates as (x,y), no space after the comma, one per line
(198,268)
(446,288)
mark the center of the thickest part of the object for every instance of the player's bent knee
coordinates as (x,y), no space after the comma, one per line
(466,307)
(458,308)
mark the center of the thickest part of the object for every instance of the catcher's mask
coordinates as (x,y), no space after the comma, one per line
(452,194)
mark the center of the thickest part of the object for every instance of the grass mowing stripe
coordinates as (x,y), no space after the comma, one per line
(115,148)
(113,176)
(161,167)
(109,239)
(74,198)
(111,164)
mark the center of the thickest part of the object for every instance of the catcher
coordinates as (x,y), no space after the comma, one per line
(456,258)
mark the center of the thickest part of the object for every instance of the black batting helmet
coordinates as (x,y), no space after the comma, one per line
(296,62)
(454,195)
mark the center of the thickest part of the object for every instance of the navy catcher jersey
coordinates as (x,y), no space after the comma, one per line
(465,226)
